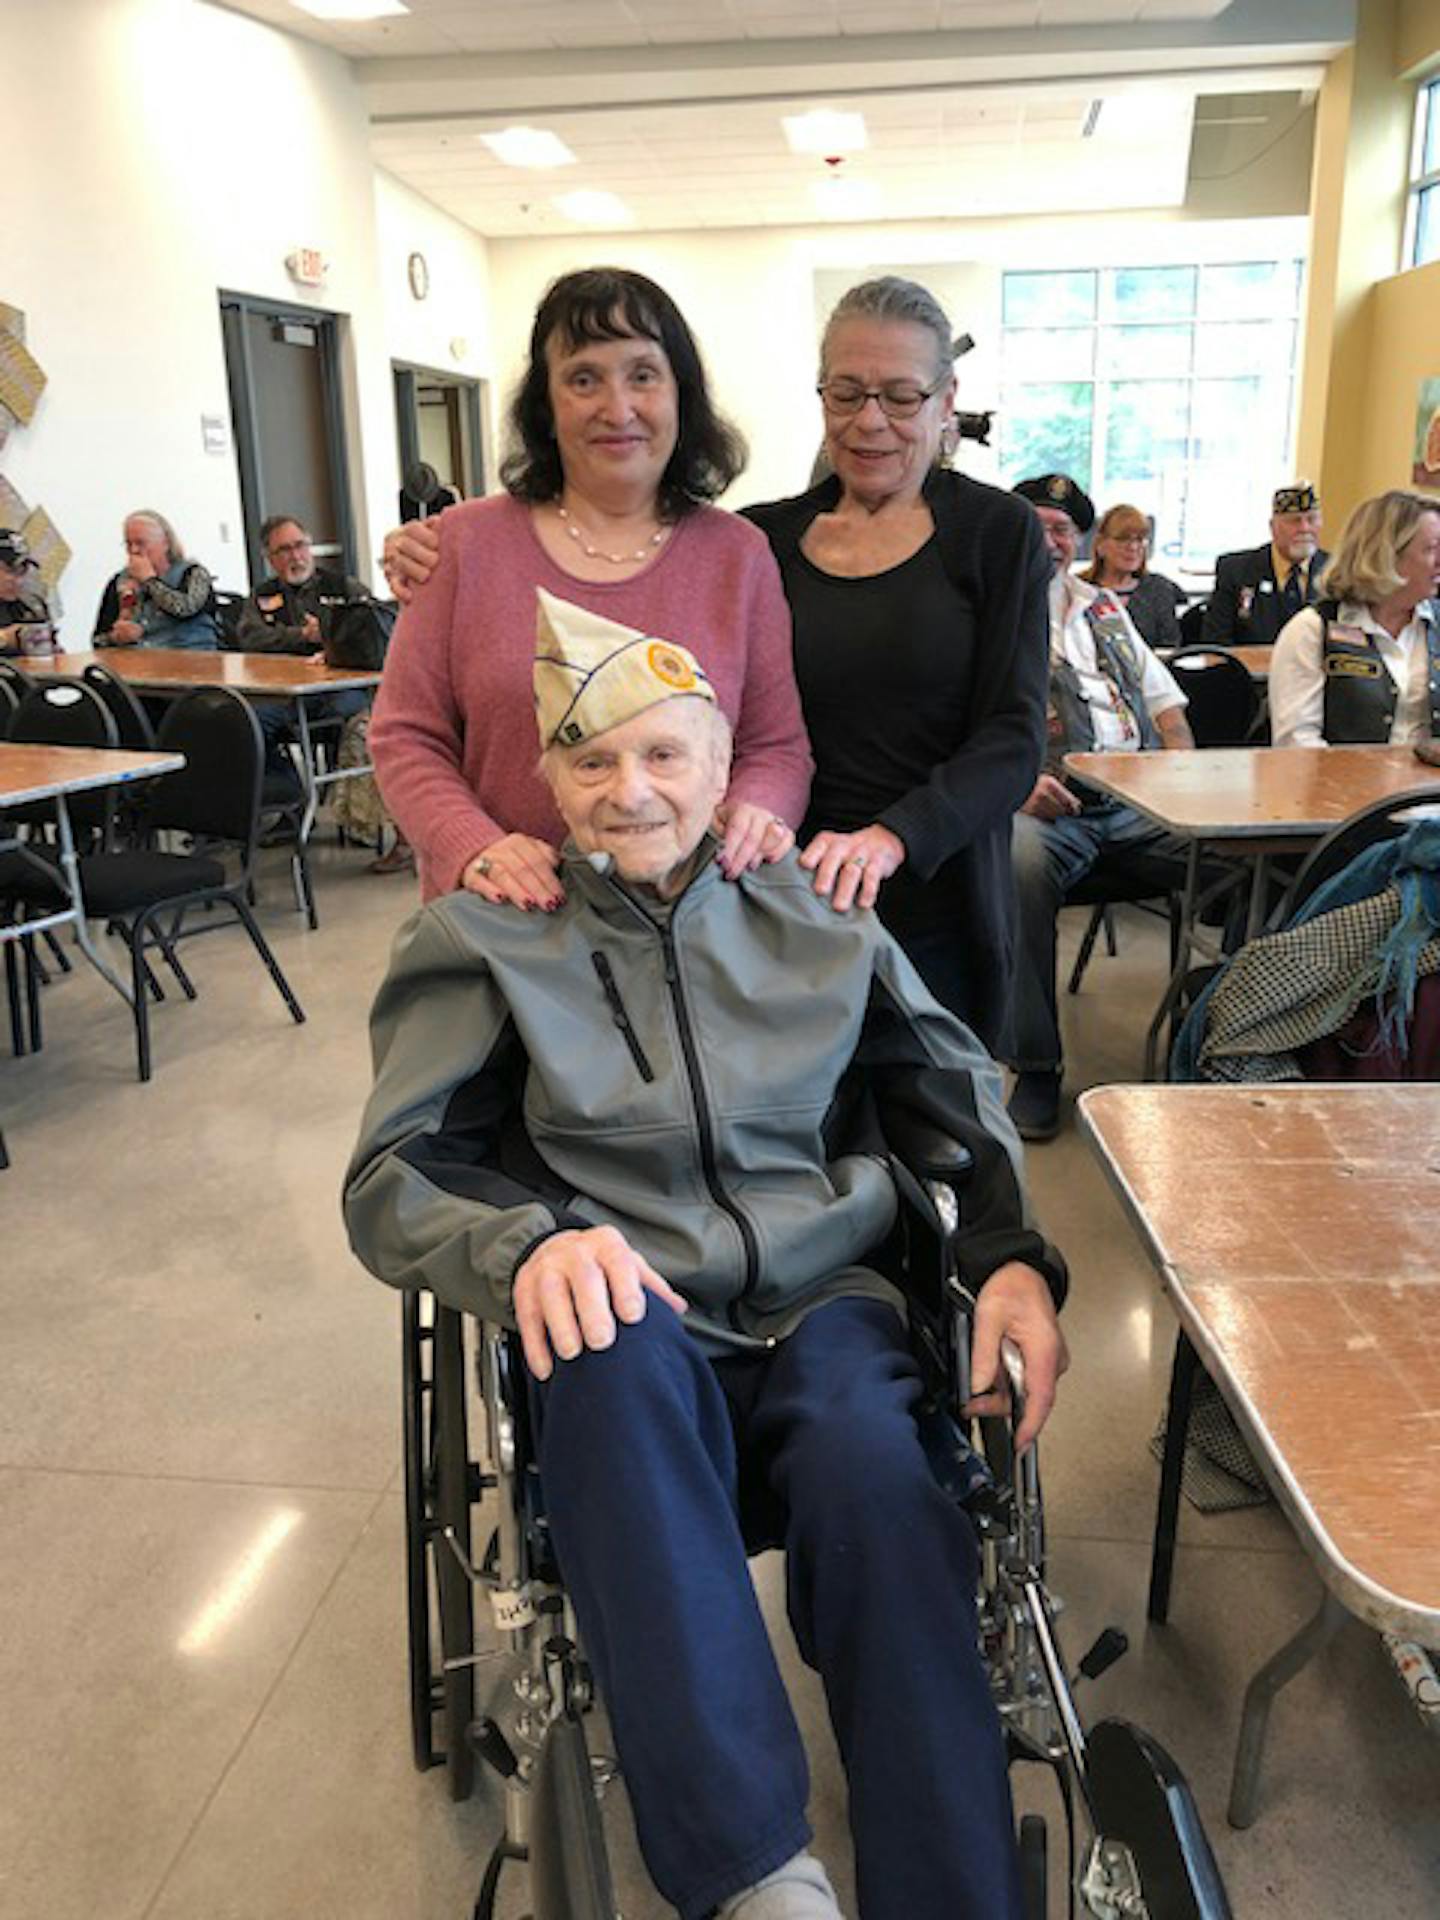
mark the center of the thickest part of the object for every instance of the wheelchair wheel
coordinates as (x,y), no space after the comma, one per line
(453,1482)
(417,1403)
(1141,1799)
(569,1865)
(1034,1868)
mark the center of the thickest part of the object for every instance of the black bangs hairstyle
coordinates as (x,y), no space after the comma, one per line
(611,303)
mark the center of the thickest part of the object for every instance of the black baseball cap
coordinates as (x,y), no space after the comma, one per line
(1059,490)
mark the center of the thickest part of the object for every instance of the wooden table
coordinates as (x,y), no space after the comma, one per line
(292,678)
(34,773)
(1248,803)
(1296,1230)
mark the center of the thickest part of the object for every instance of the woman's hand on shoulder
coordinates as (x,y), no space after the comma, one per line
(516,870)
(850,867)
(752,836)
(409,558)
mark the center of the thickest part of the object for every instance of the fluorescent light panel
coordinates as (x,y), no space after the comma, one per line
(824,130)
(592,207)
(350,9)
(529,147)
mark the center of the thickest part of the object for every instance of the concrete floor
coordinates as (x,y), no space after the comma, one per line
(201,1622)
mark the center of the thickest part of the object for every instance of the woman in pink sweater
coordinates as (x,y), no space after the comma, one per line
(618,449)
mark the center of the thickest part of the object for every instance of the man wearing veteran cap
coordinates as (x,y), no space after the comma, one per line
(629,1129)
(1108,691)
(1258,590)
(22,606)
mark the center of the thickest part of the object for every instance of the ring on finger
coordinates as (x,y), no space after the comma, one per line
(482,866)
(857,860)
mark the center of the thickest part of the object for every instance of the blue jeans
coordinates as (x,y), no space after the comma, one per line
(277,719)
(643,1449)
(1052,856)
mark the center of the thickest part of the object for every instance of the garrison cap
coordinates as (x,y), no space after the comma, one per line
(592,674)
(1298,497)
(1059,490)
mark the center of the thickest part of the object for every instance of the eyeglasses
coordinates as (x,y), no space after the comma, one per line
(290,546)
(899,401)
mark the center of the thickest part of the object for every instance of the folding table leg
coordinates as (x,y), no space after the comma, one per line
(1277,1672)
(1167,1512)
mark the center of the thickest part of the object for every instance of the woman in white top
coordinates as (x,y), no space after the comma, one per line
(1363,664)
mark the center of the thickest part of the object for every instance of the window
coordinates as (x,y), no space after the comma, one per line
(1422,225)
(1170,387)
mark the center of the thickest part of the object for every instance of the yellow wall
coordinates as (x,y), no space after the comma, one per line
(1417,36)
(1362,152)
(1404,350)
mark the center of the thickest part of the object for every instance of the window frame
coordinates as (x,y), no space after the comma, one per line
(1421,183)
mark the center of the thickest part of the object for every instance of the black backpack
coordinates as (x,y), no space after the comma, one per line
(358,635)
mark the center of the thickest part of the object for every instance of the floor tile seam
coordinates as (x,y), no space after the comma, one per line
(238,1751)
(170,1478)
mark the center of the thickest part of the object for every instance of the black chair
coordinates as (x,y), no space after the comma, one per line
(1192,623)
(1224,700)
(14,685)
(132,724)
(227,607)
(1385,820)
(67,713)
(1143,882)
(215,798)
(9,704)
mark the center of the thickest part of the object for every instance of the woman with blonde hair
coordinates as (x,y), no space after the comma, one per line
(161,598)
(1119,566)
(1363,664)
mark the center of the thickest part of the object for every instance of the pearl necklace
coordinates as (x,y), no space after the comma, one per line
(596,553)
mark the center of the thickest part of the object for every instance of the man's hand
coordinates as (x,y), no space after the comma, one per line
(1015,1305)
(573,1288)
(849,867)
(310,630)
(126,633)
(139,568)
(752,835)
(519,870)
(1050,799)
(409,556)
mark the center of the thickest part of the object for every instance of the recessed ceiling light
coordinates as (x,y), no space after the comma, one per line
(351,9)
(592,207)
(825,131)
(529,147)
(845,197)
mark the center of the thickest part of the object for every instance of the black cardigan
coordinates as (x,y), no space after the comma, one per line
(956,825)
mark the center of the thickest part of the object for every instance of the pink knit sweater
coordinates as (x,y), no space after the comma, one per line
(453,735)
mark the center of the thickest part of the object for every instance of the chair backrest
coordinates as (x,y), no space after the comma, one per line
(216,794)
(226,607)
(132,723)
(1384,820)
(1224,699)
(14,685)
(1192,623)
(67,713)
(9,704)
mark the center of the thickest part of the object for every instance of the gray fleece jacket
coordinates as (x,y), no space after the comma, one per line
(710,1078)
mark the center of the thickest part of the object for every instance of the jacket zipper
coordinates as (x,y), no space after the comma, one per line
(608,987)
(709,1161)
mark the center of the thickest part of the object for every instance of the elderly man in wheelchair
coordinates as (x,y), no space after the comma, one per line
(659,1132)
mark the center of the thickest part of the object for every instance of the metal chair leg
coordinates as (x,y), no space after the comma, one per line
(1167,1512)
(258,941)
(1277,1672)
(1100,917)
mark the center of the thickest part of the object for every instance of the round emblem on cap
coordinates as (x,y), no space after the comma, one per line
(1058,486)
(671,667)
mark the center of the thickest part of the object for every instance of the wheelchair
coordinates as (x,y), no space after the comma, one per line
(1136,1846)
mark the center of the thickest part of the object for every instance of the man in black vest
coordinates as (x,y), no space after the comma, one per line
(1108,692)
(298,610)
(1258,590)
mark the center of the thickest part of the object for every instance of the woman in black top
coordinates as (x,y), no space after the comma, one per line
(1120,564)
(919,599)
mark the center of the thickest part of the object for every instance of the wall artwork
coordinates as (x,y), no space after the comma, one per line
(22,381)
(1425,471)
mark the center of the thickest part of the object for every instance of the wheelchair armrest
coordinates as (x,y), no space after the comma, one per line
(924,1147)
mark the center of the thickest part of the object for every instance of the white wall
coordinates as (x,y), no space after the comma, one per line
(750,295)
(183,149)
(449,330)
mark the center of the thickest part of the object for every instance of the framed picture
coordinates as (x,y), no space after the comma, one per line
(1425,471)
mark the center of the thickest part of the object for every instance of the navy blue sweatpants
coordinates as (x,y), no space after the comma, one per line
(643,1447)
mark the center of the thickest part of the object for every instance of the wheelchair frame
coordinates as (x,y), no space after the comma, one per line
(1145,1854)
